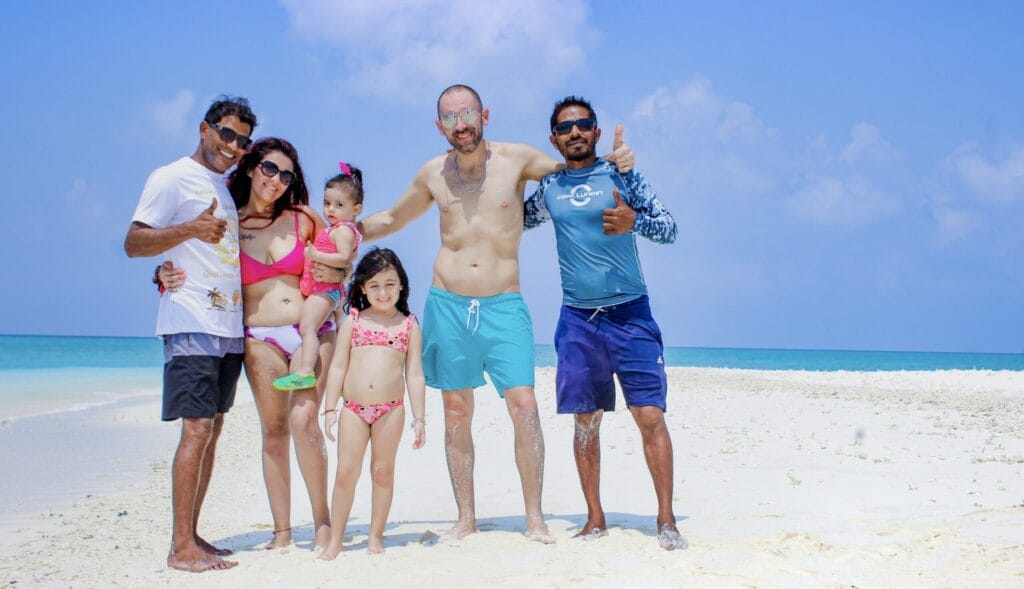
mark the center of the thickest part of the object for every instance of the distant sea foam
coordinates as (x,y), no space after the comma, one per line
(42,374)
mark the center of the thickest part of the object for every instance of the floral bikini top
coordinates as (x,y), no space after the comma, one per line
(363,336)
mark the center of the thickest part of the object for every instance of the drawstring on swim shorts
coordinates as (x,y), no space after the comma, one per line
(473,309)
(594,314)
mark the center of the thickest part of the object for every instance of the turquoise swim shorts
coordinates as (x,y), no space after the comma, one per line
(464,336)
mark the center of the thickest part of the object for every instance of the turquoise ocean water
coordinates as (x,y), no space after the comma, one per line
(43,374)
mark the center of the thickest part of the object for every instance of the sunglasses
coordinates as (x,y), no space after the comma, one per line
(270,170)
(450,119)
(565,127)
(229,135)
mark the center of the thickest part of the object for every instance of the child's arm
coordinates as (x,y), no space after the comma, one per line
(336,376)
(345,241)
(416,384)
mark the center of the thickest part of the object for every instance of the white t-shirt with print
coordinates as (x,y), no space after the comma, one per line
(211,299)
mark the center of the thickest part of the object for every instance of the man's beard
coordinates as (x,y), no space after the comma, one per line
(578,156)
(478,136)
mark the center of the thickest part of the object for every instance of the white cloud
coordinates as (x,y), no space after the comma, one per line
(704,143)
(172,116)
(987,179)
(845,201)
(404,49)
(868,146)
(696,107)
(955,224)
(859,185)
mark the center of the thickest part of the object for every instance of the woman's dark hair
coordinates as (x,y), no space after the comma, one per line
(240,184)
(377,260)
(353,179)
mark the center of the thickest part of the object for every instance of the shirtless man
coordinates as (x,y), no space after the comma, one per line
(474,315)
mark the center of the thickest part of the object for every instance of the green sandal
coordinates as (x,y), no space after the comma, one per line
(295,381)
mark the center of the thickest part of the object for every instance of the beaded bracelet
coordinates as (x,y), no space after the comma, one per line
(156,279)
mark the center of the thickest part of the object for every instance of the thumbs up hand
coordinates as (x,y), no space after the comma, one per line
(622,154)
(206,227)
(620,219)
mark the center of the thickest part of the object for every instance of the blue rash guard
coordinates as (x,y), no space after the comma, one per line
(598,270)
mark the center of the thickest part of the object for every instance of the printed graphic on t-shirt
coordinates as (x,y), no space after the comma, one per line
(580,195)
(227,248)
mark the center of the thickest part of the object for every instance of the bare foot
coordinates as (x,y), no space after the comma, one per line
(590,534)
(197,560)
(462,529)
(323,537)
(593,529)
(211,549)
(669,538)
(331,552)
(282,539)
(537,531)
(542,537)
(375,545)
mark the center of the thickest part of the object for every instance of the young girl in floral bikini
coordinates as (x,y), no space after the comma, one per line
(376,359)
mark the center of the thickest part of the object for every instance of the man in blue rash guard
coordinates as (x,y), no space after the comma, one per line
(605,326)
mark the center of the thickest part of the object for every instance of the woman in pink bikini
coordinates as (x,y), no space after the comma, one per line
(275,224)
(377,357)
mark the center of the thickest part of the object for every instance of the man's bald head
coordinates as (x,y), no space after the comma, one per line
(458,88)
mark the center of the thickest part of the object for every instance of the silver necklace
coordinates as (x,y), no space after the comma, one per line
(477,186)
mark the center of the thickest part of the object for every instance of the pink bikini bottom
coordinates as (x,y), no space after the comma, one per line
(371,412)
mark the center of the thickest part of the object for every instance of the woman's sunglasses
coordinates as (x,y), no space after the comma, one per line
(270,170)
(229,135)
(565,127)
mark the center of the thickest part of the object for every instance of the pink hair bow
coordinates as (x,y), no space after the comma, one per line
(345,169)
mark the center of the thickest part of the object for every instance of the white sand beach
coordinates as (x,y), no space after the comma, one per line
(783,479)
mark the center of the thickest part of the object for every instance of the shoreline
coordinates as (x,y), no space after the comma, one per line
(145,382)
(783,478)
(64,457)
(40,392)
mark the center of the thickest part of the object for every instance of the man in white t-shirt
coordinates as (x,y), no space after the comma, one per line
(186,213)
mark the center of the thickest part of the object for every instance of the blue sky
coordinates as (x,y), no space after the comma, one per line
(846,175)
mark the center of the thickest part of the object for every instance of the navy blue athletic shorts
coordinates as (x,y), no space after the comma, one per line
(594,344)
(200,374)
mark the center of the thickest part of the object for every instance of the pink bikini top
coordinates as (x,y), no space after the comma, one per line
(254,271)
(362,336)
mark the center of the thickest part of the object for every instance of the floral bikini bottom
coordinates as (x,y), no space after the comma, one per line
(371,412)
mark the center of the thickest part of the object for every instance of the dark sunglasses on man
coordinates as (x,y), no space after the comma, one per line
(229,135)
(565,127)
(270,170)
